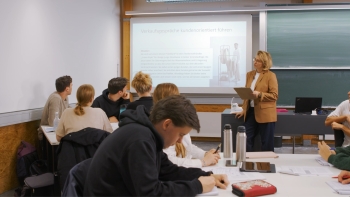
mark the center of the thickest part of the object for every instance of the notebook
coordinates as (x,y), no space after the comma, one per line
(343,189)
(307,104)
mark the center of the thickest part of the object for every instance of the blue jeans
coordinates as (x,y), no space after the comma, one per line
(253,128)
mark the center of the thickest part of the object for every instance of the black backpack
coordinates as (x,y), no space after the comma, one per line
(26,155)
(32,173)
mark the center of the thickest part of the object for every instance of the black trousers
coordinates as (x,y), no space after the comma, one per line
(253,129)
(338,138)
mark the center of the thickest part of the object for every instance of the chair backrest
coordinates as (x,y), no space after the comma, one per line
(76,147)
(74,185)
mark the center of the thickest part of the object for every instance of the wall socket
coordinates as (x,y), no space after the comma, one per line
(306,142)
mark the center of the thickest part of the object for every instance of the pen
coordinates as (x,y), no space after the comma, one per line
(344,177)
(217,149)
(330,148)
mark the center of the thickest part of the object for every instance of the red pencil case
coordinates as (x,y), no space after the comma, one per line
(253,188)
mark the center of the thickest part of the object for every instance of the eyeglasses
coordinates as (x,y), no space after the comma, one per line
(255,60)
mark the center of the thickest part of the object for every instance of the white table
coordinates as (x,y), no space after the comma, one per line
(51,136)
(289,185)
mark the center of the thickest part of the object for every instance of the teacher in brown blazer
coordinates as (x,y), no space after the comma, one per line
(260,113)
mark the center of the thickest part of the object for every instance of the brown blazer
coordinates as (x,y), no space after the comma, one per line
(264,107)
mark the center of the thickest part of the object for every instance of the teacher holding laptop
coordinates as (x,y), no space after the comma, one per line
(260,113)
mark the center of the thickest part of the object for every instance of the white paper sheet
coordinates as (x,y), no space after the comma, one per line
(306,170)
(234,175)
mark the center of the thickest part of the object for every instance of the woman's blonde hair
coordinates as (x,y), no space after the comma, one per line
(85,94)
(164,90)
(265,58)
(142,82)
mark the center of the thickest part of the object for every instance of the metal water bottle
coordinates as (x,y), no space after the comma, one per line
(241,140)
(228,141)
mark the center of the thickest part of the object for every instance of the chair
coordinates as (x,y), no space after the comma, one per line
(338,138)
(76,147)
(74,185)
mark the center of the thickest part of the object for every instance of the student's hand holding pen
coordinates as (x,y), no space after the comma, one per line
(344,177)
(324,150)
(210,158)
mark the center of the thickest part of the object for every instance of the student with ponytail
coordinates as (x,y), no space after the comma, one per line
(83,115)
(184,153)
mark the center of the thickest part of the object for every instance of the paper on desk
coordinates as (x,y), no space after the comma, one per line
(338,187)
(306,170)
(115,125)
(49,129)
(234,175)
(322,162)
(213,192)
(256,155)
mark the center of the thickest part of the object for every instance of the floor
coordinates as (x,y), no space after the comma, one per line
(285,149)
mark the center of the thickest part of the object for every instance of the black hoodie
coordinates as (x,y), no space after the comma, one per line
(131,162)
(110,107)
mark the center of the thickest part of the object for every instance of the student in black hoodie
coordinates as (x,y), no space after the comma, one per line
(112,98)
(131,162)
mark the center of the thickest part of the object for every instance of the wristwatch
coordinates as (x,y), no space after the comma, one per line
(259,96)
(210,173)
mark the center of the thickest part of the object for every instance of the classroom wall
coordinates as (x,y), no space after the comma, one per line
(22,124)
(10,138)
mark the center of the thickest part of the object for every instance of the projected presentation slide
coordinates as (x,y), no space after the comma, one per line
(198,54)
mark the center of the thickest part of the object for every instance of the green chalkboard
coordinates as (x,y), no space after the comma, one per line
(309,39)
(331,85)
(311,54)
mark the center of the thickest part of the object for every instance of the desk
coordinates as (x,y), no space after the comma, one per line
(288,123)
(289,185)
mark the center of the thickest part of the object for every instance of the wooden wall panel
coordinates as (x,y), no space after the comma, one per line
(10,138)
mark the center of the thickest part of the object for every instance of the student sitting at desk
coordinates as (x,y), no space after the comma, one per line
(340,158)
(112,98)
(339,119)
(83,115)
(130,162)
(142,83)
(184,153)
(57,102)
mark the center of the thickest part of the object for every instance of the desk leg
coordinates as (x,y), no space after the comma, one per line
(293,143)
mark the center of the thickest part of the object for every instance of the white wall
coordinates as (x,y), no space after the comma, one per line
(41,40)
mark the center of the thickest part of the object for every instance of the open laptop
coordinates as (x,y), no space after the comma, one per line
(307,104)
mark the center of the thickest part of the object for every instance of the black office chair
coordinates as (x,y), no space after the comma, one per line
(338,138)
(74,185)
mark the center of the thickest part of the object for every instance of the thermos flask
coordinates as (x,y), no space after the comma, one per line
(241,140)
(228,152)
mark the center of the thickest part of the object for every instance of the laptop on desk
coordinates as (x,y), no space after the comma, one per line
(306,104)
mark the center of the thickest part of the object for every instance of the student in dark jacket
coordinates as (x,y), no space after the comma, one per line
(112,98)
(131,162)
(142,83)
(76,147)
